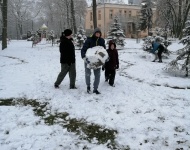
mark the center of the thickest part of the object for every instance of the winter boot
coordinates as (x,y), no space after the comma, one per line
(73,87)
(112,85)
(56,86)
(96,91)
(88,90)
(160,61)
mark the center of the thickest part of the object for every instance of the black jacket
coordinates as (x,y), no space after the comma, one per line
(92,42)
(113,62)
(67,51)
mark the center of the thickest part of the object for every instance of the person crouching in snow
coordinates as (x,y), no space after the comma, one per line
(157,50)
(112,64)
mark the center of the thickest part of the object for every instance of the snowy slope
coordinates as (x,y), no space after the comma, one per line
(143,108)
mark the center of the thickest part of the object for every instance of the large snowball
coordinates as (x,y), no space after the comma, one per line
(96,57)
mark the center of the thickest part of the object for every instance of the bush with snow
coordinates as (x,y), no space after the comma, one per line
(147,45)
(182,62)
(96,57)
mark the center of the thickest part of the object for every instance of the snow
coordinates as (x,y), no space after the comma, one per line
(144,110)
(96,56)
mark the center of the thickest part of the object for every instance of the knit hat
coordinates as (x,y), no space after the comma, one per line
(67,32)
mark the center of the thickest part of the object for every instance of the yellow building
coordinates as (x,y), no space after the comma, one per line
(128,17)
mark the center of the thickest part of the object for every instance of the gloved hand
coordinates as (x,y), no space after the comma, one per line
(103,68)
(117,67)
(84,58)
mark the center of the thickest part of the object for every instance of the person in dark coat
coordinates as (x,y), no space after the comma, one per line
(112,64)
(157,50)
(67,59)
(90,42)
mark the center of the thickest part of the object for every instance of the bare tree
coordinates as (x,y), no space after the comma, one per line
(23,11)
(73,17)
(182,62)
(174,13)
(94,14)
(146,15)
(3,4)
(65,14)
(80,11)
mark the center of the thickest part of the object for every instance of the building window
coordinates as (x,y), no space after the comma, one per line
(91,27)
(125,13)
(99,15)
(91,17)
(111,14)
(129,13)
(99,26)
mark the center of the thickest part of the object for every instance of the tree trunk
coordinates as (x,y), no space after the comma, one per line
(73,17)
(4,30)
(94,14)
(68,20)
(187,68)
(17,30)
(20,29)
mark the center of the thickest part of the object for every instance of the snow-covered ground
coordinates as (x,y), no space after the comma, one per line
(146,111)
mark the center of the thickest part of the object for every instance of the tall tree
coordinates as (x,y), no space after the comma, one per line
(146,18)
(182,62)
(174,13)
(73,17)
(23,11)
(4,23)
(116,33)
(94,14)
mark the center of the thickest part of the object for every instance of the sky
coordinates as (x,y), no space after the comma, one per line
(143,108)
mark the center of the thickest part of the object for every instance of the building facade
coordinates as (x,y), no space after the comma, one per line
(129,17)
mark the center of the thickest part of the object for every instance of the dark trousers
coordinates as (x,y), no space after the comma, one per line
(110,76)
(65,68)
(160,50)
(160,55)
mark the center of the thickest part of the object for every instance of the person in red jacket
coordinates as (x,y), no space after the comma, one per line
(112,64)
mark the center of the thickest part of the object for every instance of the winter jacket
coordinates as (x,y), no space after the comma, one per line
(67,51)
(92,42)
(113,62)
(155,46)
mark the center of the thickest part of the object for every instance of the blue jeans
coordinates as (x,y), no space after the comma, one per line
(96,75)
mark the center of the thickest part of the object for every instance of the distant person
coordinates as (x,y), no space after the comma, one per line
(67,59)
(157,50)
(94,40)
(112,64)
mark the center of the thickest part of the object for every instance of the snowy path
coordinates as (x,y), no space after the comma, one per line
(146,116)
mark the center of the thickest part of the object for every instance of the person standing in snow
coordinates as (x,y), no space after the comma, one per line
(94,40)
(67,59)
(157,50)
(112,64)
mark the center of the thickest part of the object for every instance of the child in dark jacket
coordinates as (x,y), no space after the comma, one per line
(112,64)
